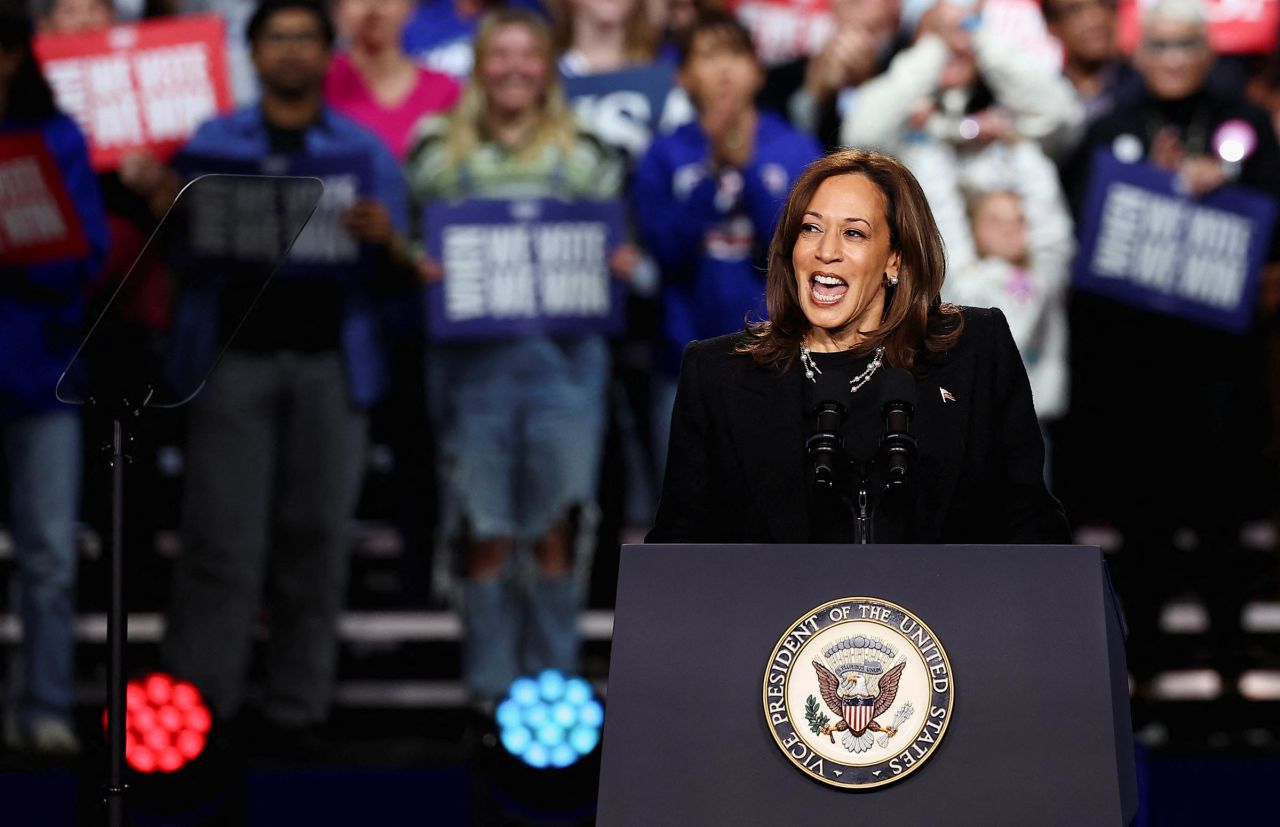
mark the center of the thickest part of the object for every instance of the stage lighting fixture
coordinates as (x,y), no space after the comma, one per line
(549,721)
(166,724)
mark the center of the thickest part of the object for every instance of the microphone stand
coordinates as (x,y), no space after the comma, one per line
(832,466)
(862,515)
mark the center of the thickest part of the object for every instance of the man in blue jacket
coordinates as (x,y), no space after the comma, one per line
(277,438)
(706,197)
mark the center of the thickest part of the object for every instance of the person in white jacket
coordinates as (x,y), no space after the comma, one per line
(970,115)
(963,85)
(1010,244)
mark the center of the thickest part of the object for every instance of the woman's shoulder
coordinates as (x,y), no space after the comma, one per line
(987,342)
(983,327)
(723,358)
(728,347)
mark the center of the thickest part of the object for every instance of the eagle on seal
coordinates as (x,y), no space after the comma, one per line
(855,707)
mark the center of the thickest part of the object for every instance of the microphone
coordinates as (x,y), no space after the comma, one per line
(897,405)
(826,447)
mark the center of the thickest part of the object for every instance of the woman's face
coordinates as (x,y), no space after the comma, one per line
(841,259)
(513,71)
(372,24)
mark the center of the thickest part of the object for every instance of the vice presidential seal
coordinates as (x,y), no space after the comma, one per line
(858,693)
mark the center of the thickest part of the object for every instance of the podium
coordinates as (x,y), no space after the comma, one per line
(1039,732)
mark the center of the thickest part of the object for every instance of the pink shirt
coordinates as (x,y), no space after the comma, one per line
(346,91)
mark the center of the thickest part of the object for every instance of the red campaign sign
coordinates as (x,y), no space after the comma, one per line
(38,222)
(139,87)
(785,29)
(1236,27)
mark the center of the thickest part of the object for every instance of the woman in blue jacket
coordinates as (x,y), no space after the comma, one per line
(707,196)
(41,311)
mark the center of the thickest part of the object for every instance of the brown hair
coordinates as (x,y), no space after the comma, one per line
(642,37)
(916,323)
(729,33)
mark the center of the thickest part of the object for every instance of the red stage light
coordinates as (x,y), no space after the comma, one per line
(199,720)
(185,696)
(190,744)
(141,759)
(170,718)
(156,739)
(166,724)
(170,760)
(159,688)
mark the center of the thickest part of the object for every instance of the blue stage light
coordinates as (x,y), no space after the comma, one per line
(562,755)
(551,734)
(536,717)
(524,691)
(550,721)
(551,685)
(537,756)
(508,714)
(583,739)
(577,691)
(516,739)
(591,713)
(564,714)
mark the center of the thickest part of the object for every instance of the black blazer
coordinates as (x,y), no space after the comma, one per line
(737,467)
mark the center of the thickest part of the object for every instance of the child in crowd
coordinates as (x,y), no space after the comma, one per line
(1014,252)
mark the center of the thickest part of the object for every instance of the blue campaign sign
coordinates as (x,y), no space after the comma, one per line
(524,267)
(239,219)
(628,107)
(1145,244)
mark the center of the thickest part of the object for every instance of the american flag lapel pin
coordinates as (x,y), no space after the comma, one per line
(947,396)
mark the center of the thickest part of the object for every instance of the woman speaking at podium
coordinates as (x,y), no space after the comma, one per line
(856,327)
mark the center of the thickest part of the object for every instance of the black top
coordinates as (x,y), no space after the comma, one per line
(737,470)
(831,509)
(295,314)
(861,429)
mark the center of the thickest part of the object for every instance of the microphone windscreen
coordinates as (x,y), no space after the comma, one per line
(898,385)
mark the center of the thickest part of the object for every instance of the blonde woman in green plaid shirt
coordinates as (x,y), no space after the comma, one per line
(520,420)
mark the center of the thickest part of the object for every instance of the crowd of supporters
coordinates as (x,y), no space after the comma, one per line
(1161,426)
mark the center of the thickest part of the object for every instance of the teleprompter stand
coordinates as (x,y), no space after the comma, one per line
(116,378)
(1040,729)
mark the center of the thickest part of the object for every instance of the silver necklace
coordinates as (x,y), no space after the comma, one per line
(856,383)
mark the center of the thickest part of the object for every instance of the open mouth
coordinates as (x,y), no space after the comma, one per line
(827,289)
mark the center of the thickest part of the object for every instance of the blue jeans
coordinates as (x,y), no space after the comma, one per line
(43,454)
(521,426)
